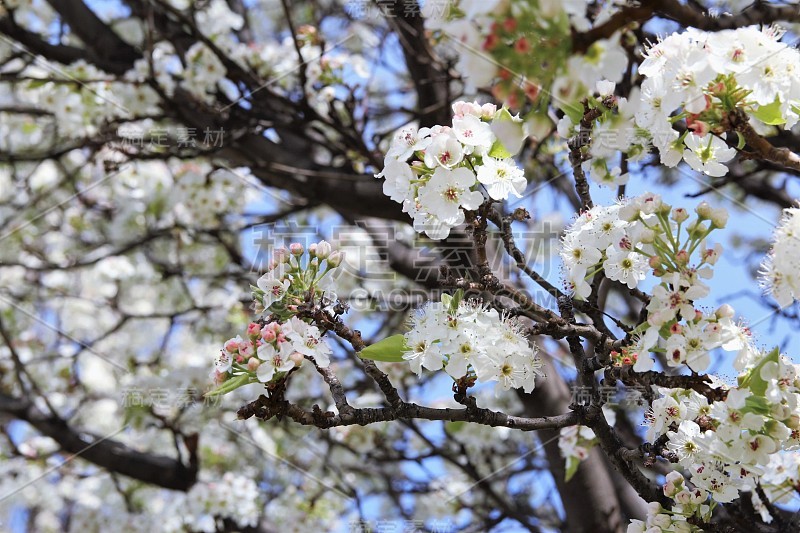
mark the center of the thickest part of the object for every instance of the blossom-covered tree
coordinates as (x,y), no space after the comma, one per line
(365,265)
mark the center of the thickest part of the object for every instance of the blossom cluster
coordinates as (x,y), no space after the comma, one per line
(780,268)
(575,443)
(280,342)
(202,195)
(449,164)
(497,48)
(699,77)
(613,133)
(602,239)
(644,234)
(727,445)
(467,338)
(690,503)
(231,497)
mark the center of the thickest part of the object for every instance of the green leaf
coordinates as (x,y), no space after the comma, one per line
(770,114)
(389,350)
(741,143)
(510,131)
(230,385)
(753,379)
(455,301)
(35,84)
(572,467)
(756,404)
(446,299)
(454,426)
(498,151)
(574,112)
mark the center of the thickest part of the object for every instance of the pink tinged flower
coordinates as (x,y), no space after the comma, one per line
(223,362)
(472,131)
(462,108)
(232,345)
(246,348)
(406,142)
(219,377)
(282,255)
(444,151)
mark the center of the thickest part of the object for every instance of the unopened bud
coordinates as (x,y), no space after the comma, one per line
(253,364)
(323,249)
(296,358)
(335,259)
(253,330)
(719,217)
(724,311)
(703,210)
(679,214)
(296,249)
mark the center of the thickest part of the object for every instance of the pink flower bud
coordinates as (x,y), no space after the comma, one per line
(246,349)
(282,255)
(679,214)
(268,334)
(232,346)
(296,249)
(253,330)
(491,41)
(253,364)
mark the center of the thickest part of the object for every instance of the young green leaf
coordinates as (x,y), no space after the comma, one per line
(770,114)
(572,467)
(230,385)
(389,350)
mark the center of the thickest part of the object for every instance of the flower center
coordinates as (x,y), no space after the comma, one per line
(451,194)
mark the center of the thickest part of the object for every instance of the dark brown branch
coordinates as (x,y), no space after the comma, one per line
(265,408)
(158,470)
